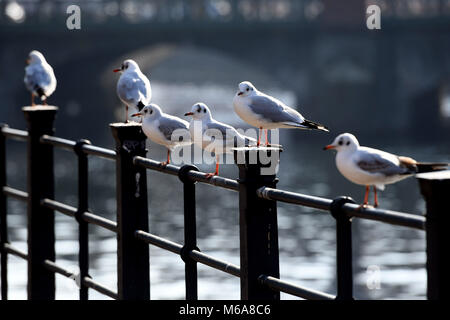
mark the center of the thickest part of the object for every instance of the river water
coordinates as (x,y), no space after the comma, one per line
(389,261)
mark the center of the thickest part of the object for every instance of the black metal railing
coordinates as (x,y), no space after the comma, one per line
(258,197)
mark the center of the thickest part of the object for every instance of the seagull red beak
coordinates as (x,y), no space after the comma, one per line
(189,114)
(137,114)
(117,70)
(328,147)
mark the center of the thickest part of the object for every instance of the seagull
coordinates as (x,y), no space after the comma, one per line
(160,127)
(39,77)
(210,130)
(265,112)
(372,167)
(133,87)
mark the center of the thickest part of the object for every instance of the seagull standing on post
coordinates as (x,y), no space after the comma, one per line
(160,127)
(133,87)
(265,112)
(210,130)
(39,77)
(372,167)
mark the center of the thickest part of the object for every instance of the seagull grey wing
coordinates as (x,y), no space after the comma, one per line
(374,163)
(223,128)
(37,77)
(229,134)
(132,89)
(168,125)
(273,110)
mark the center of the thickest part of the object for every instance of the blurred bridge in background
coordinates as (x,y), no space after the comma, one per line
(219,12)
(309,47)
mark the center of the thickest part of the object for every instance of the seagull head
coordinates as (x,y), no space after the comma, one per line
(35,57)
(343,142)
(199,111)
(128,65)
(152,111)
(245,89)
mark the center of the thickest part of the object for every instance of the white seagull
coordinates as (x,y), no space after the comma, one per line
(211,130)
(133,87)
(39,77)
(265,112)
(372,167)
(164,129)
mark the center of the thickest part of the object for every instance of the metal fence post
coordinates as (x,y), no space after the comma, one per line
(344,262)
(3,219)
(258,225)
(41,220)
(190,232)
(132,213)
(435,187)
(83,229)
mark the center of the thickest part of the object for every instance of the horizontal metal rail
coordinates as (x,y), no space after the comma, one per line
(352,210)
(15,134)
(15,193)
(58,142)
(86,148)
(52,266)
(192,175)
(100,221)
(14,251)
(295,198)
(99,152)
(88,282)
(215,263)
(60,207)
(388,216)
(194,254)
(158,241)
(283,286)
(86,216)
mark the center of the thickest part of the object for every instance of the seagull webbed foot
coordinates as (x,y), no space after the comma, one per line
(210,175)
(364,206)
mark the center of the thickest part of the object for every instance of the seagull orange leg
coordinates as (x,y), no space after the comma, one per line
(376,197)
(126,116)
(259,137)
(165,163)
(366,198)
(210,175)
(267,140)
(32,99)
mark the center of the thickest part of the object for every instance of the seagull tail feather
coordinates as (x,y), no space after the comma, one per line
(140,105)
(41,93)
(431,166)
(315,126)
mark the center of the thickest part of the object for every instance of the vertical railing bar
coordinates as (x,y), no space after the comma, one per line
(40,185)
(83,229)
(258,226)
(435,188)
(344,263)
(190,232)
(3,219)
(133,261)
